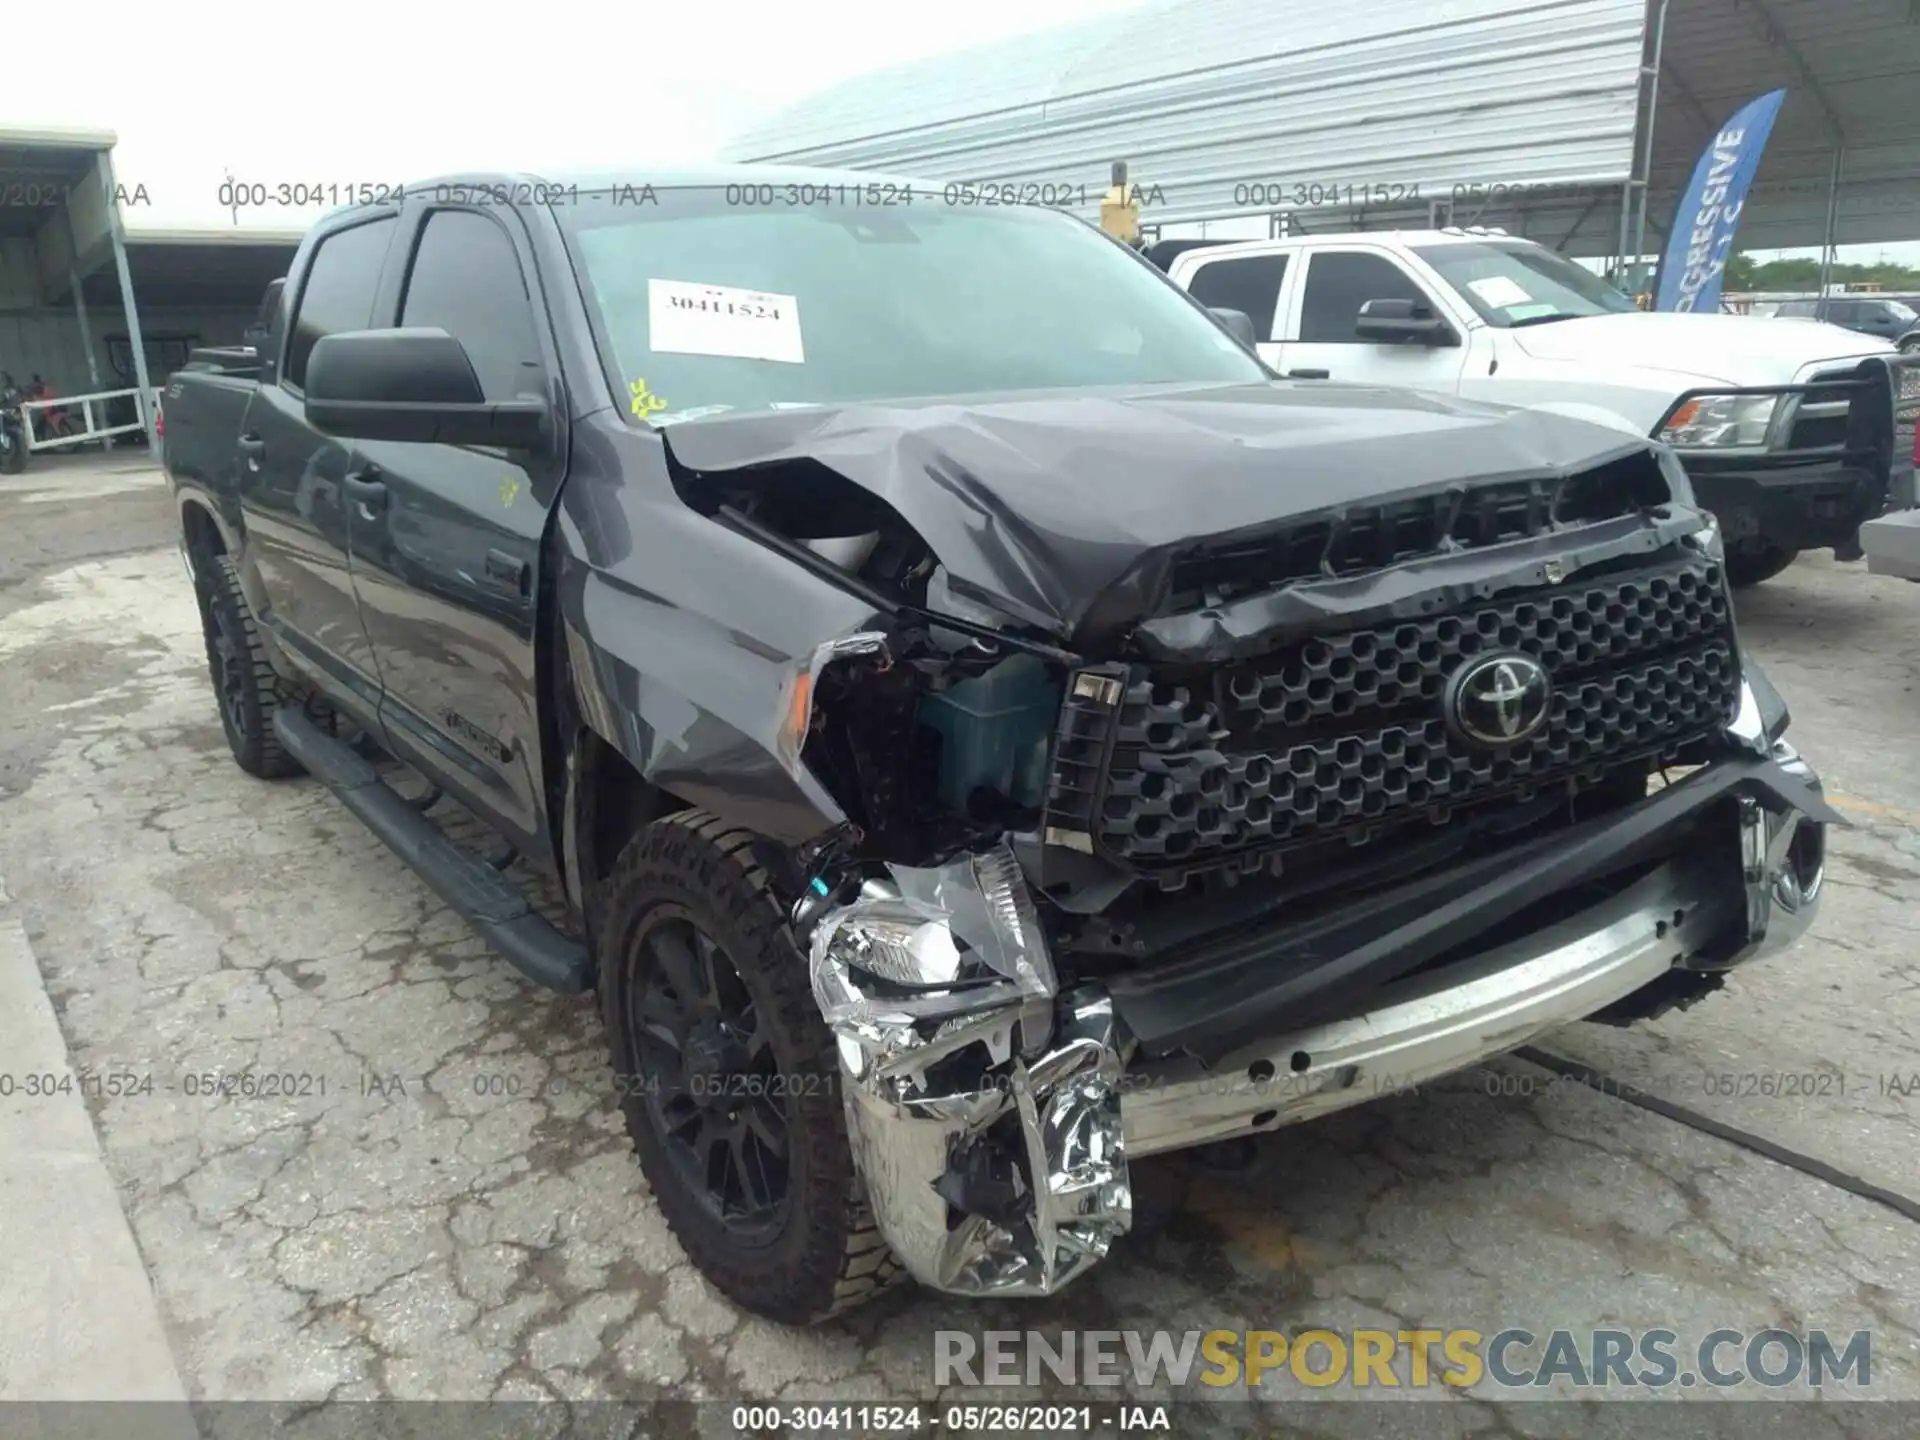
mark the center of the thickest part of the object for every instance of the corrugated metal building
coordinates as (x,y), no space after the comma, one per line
(1555,118)
(91,300)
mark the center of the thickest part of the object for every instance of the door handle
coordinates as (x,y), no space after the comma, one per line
(1309,374)
(510,570)
(252,445)
(365,491)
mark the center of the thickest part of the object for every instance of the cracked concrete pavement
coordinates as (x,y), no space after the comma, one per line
(436,1199)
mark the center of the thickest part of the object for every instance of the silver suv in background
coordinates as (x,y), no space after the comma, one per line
(1886,316)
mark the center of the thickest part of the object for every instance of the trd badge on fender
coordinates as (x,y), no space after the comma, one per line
(1498,700)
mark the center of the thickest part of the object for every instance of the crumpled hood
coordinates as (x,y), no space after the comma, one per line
(1716,349)
(1043,505)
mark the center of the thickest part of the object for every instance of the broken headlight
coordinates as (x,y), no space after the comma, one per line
(1720,422)
(796,708)
(960,937)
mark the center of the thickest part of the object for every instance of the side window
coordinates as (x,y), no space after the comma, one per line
(1843,312)
(339,289)
(1339,282)
(466,280)
(1247,283)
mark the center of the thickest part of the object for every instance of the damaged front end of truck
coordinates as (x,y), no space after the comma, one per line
(1173,808)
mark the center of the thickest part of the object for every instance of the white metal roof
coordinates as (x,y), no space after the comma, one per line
(1204,98)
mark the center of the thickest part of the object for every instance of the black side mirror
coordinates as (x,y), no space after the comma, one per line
(1403,322)
(1239,324)
(413,384)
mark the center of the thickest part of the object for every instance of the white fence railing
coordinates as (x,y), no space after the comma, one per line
(94,427)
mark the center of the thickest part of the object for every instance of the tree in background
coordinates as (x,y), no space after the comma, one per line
(1804,275)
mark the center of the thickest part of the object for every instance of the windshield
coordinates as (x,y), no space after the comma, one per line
(1905,314)
(705,302)
(1521,284)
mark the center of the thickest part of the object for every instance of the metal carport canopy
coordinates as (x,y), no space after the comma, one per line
(1202,95)
(1852,72)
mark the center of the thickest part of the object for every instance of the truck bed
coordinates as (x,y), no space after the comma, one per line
(242,360)
(204,410)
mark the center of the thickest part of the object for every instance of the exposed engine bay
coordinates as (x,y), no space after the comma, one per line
(1119,811)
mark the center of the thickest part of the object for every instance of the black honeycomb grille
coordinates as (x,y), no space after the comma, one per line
(1346,731)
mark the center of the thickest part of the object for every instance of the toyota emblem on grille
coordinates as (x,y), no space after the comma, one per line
(1498,700)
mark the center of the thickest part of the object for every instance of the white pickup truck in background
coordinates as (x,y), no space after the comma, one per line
(1793,435)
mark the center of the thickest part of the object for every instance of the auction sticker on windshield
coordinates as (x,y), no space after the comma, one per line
(1499,291)
(690,319)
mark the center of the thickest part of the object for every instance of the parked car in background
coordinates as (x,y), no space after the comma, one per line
(1888,316)
(1790,434)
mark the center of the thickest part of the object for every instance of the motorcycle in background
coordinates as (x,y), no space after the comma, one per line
(57,422)
(13,427)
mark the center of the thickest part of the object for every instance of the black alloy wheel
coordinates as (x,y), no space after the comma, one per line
(727,1077)
(709,1074)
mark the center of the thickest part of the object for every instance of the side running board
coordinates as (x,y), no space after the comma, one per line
(492,903)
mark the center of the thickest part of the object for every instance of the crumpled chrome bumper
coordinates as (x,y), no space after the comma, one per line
(1783,857)
(984,1112)
(992,1117)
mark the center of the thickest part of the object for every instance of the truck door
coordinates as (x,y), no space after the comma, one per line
(1250,284)
(446,557)
(295,482)
(1322,343)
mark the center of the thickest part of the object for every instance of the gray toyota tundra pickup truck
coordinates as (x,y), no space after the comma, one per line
(987,727)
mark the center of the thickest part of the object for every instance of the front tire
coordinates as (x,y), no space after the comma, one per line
(728,1077)
(13,451)
(1747,568)
(244,683)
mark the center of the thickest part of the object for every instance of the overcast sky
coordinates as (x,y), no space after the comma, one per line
(357,92)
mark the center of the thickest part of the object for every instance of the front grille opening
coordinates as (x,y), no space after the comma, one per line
(1824,416)
(1345,733)
(1362,538)
(1620,487)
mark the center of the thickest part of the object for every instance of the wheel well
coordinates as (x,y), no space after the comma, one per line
(202,534)
(616,803)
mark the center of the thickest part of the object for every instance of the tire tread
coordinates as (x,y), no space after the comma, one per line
(849,1262)
(261,754)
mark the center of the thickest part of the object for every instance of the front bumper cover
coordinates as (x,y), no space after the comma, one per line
(992,1117)
(1801,507)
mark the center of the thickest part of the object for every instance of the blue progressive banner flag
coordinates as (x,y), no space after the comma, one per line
(1702,238)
